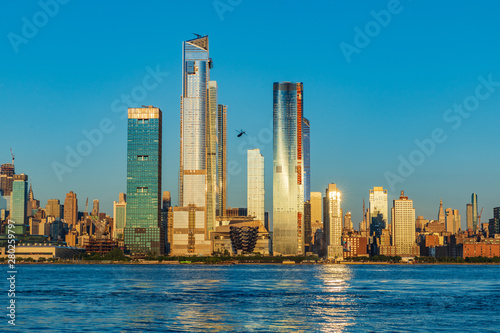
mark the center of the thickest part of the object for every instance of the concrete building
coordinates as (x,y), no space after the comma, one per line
(288,169)
(475,222)
(333,222)
(403,227)
(119,217)
(95,207)
(53,208)
(453,221)
(71,209)
(468,215)
(255,184)
(316,215)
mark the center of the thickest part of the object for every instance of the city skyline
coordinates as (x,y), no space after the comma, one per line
(333,159)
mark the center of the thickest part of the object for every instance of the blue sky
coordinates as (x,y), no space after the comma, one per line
(365,113)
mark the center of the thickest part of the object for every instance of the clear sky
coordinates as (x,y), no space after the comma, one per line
(368,95)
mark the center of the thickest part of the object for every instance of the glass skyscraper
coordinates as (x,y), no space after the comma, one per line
(19,203)
(143,232)
(255,184)
(306,149)
(288,169)
(378,210)
(196,66)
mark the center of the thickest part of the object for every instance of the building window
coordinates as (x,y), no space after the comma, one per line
(142,190)
(142,157)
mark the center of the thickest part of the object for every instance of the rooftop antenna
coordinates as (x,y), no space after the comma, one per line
(12,154)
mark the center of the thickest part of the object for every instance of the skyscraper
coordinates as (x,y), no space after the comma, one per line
(474,212)
(119,217)
(211,157)
(306,149)
(333,222)
(468,214)
(494,223)
(316,215)
(441,216)
(95,207)
(221,159)
(288,187)
(196,66)
(255,184)
(143,232)
(71,209)
(403,226)
(378,210)
(190,220)
(19,203)
(452,220)
(53,208)
(6,178)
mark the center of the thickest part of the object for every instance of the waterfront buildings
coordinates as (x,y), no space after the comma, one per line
(403,227)
(255,184)
(378,210)
(333,222)
(143,232)
(71,208)
(288,168)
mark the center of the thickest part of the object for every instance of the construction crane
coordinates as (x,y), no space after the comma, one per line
(12,154)
(479,218)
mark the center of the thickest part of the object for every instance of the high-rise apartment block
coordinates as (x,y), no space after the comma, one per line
(403,227)
(71,209)
(378,211)
(222,159)
(255,184)
(19,203)
(333,222)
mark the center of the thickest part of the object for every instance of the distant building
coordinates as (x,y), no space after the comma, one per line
(347,221)
(211,155)
(308,236)
(378,211)
(6,178)
(288,168)
(222,159)
(489,247)
(119,217)
(475,223)
(316,215)
(470,225)
(403,227)
(354,245)
(71,208)
(333,222)
(453,220)
(95,208)
(143,232)
(441,216)
(494,225)
(19,203)
(53,208)
(255,184)
(306,151)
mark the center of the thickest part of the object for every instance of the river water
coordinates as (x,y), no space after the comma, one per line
(256,298)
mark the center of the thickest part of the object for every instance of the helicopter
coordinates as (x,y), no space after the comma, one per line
(240,133)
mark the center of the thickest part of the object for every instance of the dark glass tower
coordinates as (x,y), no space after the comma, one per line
(143,232)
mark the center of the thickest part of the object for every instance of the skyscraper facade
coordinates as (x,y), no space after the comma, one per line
(211,157)
(7,172)
(53,208)
(306,150)
(474,211)
(453,220)
(316,215)
(333,222)
(288,168)
(255,184)
(196,66)
(143,232)
(19,203)
(468,214)
(119,217)
(221,158)
(441,215)
(71,209)
(95,207)
(378,210)
(403,226)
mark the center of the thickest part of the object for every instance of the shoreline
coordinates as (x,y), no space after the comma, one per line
(152,262)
